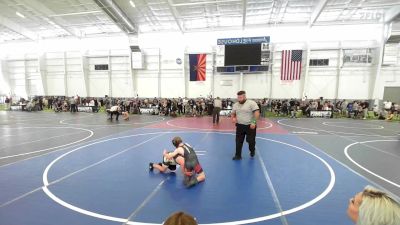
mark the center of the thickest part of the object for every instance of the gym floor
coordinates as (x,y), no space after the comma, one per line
(84,169)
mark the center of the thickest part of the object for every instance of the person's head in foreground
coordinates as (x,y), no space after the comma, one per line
(374,207)
(180,218)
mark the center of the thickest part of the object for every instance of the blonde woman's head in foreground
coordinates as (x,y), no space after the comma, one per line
(374,207)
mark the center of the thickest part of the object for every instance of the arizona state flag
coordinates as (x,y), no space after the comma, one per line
(197,67)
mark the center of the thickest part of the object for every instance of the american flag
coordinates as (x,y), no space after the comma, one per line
(291,64)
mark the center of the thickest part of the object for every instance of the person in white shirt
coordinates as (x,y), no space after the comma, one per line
(113,110)
(185,103)
(245,114)
(387,105)
(376,110)
(217,110)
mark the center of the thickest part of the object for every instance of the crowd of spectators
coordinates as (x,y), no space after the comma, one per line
(357,109)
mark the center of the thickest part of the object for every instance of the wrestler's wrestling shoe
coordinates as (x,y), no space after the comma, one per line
(236,158)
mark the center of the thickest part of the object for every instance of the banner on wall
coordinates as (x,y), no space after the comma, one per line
(197,67)
(390,54)
(243,40)
(357,55)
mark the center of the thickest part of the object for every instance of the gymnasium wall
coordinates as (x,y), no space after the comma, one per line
(66,67)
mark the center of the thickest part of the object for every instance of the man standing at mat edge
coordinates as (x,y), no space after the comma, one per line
(216,110)
(245,114)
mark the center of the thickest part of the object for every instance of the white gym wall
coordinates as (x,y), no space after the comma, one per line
(66,66)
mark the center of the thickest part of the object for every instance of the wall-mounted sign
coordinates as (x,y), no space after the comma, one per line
(243,40)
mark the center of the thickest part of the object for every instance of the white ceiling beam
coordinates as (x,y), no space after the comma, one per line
(204,3)
(272,10)
(391,14)
(244,13)
(317,11)
(18,28)
(38,6)
(175,14)
(382,6)
(76,13)
(355,10)
(211,16)
(346,6)
(282,11)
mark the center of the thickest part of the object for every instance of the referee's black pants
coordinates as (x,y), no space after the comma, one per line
(116,114)
(215,114)
(243,131)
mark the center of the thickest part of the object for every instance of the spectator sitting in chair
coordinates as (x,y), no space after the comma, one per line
(313,106)
(203,107)
(387,105)
(349,109)
(343,107)
(65,106)
(392,107)
(187,110)
(390,116)
(326,106)
(285,107)
(174,109)
(195,110)
(163,110)
(57,106)
(382,114)
(359,111)
(30,106)
(277,108)
(338,106)
(293,108)
(365,106)
(355,109)
(307,109)
(96,106)
(376,110)
(125,115)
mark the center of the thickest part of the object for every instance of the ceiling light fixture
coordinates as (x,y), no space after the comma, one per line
(132,3)
(20,14)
